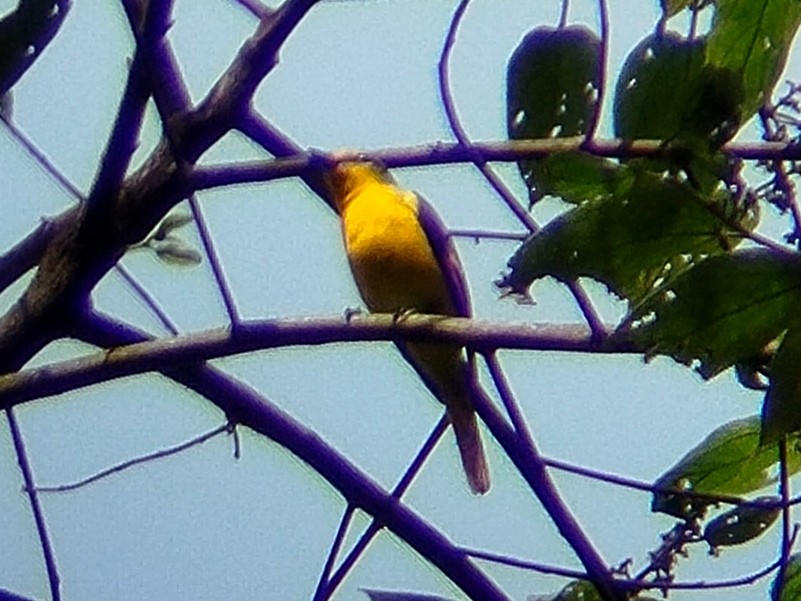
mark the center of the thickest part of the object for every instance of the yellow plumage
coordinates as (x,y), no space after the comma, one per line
(402,259)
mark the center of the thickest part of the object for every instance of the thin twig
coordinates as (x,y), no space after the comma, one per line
(349,561)
(120,467)
(259,413)
(525,564)
(632,584)
(36,508)
(344,523)
(693,21)
(166,109)
(458,130)
(149,300)
(521,449)
(631,483)
(40,159)
(374,528)
(214,261)
(581,297)
(600,76)
(447,153)
(256,8)
(510,403)
(253,125)
(784,491)
(583,301)
(487,235)
(564,12)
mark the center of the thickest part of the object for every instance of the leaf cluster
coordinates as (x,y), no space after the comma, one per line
(675,235)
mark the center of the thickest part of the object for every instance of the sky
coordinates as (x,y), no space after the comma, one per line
(204,525)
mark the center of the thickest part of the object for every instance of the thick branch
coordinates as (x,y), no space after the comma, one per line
(79,256)
(442,153)
(245,406)
(154,355)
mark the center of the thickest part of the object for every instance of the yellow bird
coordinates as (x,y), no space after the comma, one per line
(402,259)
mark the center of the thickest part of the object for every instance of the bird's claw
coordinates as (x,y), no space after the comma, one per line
(351,312)
(402,314)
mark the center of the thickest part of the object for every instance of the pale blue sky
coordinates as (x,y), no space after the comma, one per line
(202,525)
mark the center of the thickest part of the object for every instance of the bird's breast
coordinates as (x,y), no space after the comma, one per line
(392,261)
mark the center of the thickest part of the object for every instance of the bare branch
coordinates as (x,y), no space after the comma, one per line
(36,507)
(125,465)
(82,252)
(446,153)
(245,406)
(153,355)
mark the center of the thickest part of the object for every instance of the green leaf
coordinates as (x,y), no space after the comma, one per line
(707,169)
(781,411)
(22,33)
(577,176)
(751,372)
(722,310)
(666,91)
(741,524)
(752,38)
(647,228)
(791,590)
(169,224)
(579,590)
(657,87)
(176,252)
(552,87)
(552,82)
(730,461)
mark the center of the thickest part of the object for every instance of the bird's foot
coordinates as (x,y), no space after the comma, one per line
(402,314)
(351,312)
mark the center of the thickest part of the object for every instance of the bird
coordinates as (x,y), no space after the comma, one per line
(403,260)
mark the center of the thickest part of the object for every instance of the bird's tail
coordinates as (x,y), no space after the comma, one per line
(444,370)
(468,439)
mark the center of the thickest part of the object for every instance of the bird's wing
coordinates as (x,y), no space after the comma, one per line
(445,254)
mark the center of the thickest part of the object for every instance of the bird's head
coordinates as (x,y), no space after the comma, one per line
(347,176)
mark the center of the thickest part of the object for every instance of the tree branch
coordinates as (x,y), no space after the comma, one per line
(446,153)
(79,256)
(153,355)
(243,405)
